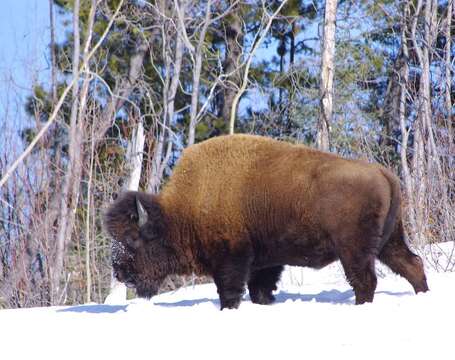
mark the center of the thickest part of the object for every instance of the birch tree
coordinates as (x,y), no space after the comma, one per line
(327,70)
(233,28)
(449,76)
(72,175)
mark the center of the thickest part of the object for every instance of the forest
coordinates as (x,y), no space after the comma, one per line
(134,82)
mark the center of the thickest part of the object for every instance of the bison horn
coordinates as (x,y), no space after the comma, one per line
(143,216)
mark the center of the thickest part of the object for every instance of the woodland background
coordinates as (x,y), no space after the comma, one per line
(136,81)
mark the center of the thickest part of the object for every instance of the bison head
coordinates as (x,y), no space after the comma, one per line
(141,255)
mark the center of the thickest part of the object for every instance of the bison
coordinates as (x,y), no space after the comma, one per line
(240,207)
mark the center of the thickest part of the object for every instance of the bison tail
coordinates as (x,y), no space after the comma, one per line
(393,218)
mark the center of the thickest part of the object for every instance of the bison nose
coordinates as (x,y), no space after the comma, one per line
(123,277)
(119,275)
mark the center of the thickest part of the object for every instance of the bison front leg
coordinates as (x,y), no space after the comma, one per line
(230,276)
(262,283)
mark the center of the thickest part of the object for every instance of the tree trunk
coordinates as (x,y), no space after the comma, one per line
(292,35)
(449,79)
(88,272)
(74,145)
(327,70)
(233,58)
(197,76)
(292,90)
(403,77)
(390,111)
(425,80)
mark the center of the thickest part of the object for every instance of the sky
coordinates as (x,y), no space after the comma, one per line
(24,34)
(24,39)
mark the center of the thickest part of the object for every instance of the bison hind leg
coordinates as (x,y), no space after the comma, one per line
(361,275)
(262,283)
(359,267)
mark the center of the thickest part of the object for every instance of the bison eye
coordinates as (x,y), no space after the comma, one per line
(150,232)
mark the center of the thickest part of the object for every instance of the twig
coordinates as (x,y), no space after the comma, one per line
(247,67)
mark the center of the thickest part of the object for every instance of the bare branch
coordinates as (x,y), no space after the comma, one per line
(248,64)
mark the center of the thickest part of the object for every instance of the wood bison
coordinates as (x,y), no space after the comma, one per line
(240,207)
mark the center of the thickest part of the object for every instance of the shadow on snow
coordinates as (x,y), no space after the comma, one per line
(332,297)
(95,309)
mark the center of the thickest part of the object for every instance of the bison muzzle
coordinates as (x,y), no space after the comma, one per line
(240,207)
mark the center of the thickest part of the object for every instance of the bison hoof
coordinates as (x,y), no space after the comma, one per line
(229,303)
(262,298)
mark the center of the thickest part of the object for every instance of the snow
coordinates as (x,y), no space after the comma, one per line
(314,317)
(117,293)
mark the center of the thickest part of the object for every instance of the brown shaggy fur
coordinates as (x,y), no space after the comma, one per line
(240,207)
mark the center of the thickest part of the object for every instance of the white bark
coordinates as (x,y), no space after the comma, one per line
(327,70)
(135,156)
(197,75)
(403,79)
(234,39)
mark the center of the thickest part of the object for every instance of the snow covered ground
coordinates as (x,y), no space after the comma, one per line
(313,318)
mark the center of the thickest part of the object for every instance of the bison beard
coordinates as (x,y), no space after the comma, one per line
(240,207)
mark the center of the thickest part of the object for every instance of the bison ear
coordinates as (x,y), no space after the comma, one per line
(141,212)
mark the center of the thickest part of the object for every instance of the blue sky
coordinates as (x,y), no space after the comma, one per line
(24,26)
(24,39)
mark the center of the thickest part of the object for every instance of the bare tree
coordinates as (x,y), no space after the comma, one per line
(72,174)
(327,70)
(234,38)
(197,66)
(403,78)
(449,74)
